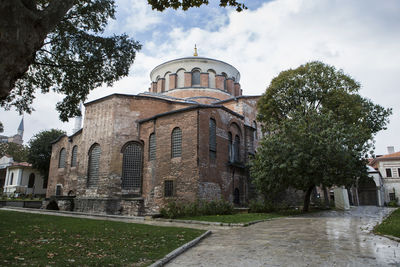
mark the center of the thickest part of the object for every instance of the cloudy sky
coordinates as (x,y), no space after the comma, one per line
(362,37)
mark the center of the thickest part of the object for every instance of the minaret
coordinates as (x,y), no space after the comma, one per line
(78,121)
(20,130)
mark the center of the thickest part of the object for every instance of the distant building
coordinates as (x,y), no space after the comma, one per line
(17,138)
(389,167)
(20,178)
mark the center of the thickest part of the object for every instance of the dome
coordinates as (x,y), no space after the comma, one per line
(196,78)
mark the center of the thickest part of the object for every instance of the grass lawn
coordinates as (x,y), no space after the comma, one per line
(234,218)
(390,226)
(43,240)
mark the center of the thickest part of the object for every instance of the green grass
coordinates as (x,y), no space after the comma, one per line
(390,226)
(42,240)
(234,218)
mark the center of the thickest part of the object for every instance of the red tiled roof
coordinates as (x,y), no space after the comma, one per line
(393,155)
(23,164)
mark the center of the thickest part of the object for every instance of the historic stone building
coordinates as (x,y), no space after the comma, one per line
(188,138)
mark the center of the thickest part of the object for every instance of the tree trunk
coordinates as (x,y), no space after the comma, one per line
(307,199)
(23,30)
(326,197)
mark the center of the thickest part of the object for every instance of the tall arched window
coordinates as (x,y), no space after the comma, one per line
(74,155)
(31,181)
(225,77)
(230,150)
(211,78)
(152,146)
(196,78)
(213,138)
(61,158)
(94,165)
(132,166)
(176,143)
(236,149)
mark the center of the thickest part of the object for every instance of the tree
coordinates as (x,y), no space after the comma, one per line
(318,130)
(39,154)
(19,153)
(59,45)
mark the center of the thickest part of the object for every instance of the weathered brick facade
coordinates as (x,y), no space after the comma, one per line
(198,172)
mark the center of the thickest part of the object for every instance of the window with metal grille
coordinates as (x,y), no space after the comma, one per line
(31,181)
(388,172)
(94,165)
(230,150)
(45,183)
(213,138)
(168,188)
(152,146)
(176,143)
(196,77)
(398,172)
(74,155)
(58,190)
(132,166)
(236,149)
(61,158)
(392,196)
(11,179)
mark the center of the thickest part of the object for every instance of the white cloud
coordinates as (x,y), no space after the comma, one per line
(360,37)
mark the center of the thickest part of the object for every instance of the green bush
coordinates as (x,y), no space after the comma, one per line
(262,206)
(198,208)
(392,203)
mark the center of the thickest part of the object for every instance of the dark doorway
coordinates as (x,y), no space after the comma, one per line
(367,194)
(236,197)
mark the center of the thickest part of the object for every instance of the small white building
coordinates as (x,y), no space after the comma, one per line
(21,178)
(389,168)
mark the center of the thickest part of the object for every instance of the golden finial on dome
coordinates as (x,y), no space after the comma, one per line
(195,51)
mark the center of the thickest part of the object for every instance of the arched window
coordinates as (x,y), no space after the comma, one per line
(196,78)
(166,76)
(74,155)
(230,150)
(94,165)
(31,181)
(152,146)
(11,179)
(132,166)
(211,78)
(225,77)
(61,158)
(213,139)
(236,149)
(180,78)
(176,143)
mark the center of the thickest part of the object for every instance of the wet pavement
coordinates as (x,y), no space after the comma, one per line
(332,238)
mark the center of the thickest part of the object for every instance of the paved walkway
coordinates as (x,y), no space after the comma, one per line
(331,238)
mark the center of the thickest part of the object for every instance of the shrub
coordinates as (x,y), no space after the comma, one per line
(198,208)
(262,206)
(392,203)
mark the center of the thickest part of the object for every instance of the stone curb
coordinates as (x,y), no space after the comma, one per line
(180,250)
(392,237)
(212,223)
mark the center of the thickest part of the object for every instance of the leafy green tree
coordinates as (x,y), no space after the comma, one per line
(18,152)
(40,150)
(317,130)
(59,45)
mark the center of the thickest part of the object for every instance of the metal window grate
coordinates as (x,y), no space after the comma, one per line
(152,147)
(236,148)
(392,196)
(74,155)
(31,181)
(94,164)
(58,190)
(388,172)
(196,77)
(176,143)
(132,166)
(168,188)
(61,158)
(213,138)
(230,150)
